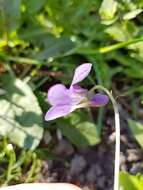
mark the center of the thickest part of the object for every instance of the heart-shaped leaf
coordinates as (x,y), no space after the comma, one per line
(20,114)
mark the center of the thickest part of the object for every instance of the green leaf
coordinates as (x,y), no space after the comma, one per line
(107,10)
(121,31)
(10,12)
(45,154)
(34,6)
(130,182)
(80,132)
(21,115)
(137,131)
(55,47)
(103,71)
(117,33)
(132,14)
(135,71)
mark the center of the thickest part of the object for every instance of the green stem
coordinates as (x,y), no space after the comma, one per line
(107,49)
(8,149)
(80,50)
(20,60)
(32,169)
(117,127)
(100,117)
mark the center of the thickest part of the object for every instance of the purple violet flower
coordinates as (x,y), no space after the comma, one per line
(65,101)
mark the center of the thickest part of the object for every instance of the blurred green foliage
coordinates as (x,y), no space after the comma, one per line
(128,181)
(137,130)
(17,168)
(41,42)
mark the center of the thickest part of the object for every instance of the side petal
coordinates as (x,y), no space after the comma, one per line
(99,100)
(81,73)
(58,111)
(58,94)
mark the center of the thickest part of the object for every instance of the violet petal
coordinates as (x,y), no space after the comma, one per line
(58,94)
(81,73)
(99,100)
(77,94)
(77,89)
(58,111)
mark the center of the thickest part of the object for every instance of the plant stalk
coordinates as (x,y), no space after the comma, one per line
(117,128)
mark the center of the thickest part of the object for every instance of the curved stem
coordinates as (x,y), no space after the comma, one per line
(117,128)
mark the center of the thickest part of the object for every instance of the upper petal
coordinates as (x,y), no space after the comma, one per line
(58,94)
(81,73)
(99,100)
(58,111)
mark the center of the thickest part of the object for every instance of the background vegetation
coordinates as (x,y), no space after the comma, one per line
(41,43)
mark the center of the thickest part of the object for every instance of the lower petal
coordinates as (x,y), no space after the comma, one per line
(99,100)
(58,111)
